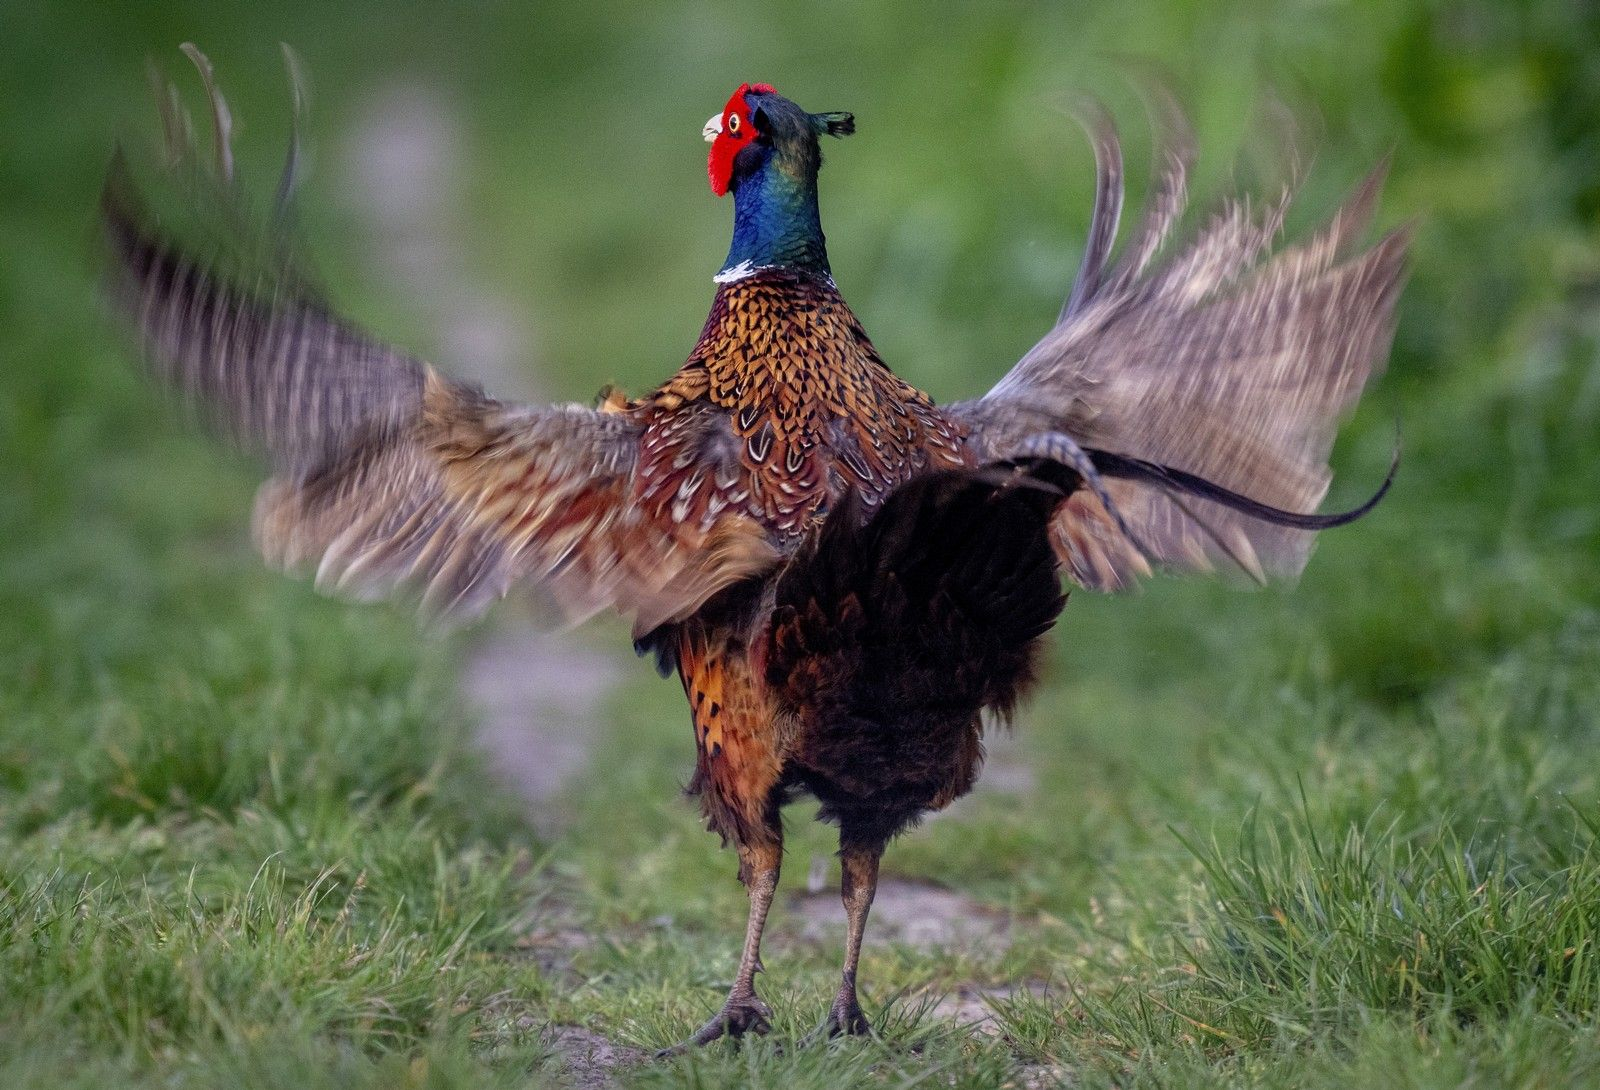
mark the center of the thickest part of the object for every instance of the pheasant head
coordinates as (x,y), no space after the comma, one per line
(764,150)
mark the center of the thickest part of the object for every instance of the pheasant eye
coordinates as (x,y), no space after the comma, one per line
(733,124)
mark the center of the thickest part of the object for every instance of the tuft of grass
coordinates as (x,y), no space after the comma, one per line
(154,938)
(1297,933)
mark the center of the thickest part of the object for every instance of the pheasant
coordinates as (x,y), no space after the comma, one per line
(850,580)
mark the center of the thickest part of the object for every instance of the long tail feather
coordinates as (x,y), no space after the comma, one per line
(1177,481)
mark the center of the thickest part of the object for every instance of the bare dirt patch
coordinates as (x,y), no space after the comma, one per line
(403,164)
(539,698)
(553,948)
(916,913)
(589,1060)
(978,1008)
(1006,770)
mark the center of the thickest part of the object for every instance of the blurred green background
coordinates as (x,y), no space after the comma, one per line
(244,837)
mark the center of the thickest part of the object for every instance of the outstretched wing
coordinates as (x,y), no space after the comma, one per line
(475,496)
(392,476)
(1227,360)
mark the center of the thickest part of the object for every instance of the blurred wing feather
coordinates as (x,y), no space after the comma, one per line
(390,476)
(1226,360)
(270,367)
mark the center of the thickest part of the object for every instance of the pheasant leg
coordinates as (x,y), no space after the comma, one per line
(857,885)
(743,1011)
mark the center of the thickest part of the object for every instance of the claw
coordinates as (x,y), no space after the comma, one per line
(221,118)
(738,1016)
(845,1019)
(1060,447)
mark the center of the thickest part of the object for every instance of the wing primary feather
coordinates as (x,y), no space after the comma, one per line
(1248,564)
(1107,213)
(289,180)
(1229,356)
(1175,157)
(221,116)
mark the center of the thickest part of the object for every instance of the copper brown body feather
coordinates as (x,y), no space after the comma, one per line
(845,576)
(799,413)
(811,405)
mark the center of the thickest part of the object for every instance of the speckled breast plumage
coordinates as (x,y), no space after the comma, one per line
(782,407)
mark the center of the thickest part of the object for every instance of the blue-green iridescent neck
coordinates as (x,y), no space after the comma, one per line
(776,221)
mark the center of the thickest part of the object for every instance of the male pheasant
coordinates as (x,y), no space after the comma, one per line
(846,576)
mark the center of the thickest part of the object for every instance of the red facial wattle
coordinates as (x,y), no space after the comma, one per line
(735,132)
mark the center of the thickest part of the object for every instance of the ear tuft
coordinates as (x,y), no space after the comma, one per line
(834,124)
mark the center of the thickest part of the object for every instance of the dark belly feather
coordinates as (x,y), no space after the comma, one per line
(890,635)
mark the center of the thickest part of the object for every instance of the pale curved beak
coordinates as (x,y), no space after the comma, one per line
(713,128)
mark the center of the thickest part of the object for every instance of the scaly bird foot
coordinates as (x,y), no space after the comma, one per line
(844,1019)
(738,1016)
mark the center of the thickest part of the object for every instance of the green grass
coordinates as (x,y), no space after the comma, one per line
(1331,835)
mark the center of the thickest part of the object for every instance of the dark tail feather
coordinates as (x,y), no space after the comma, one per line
(1177,480)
